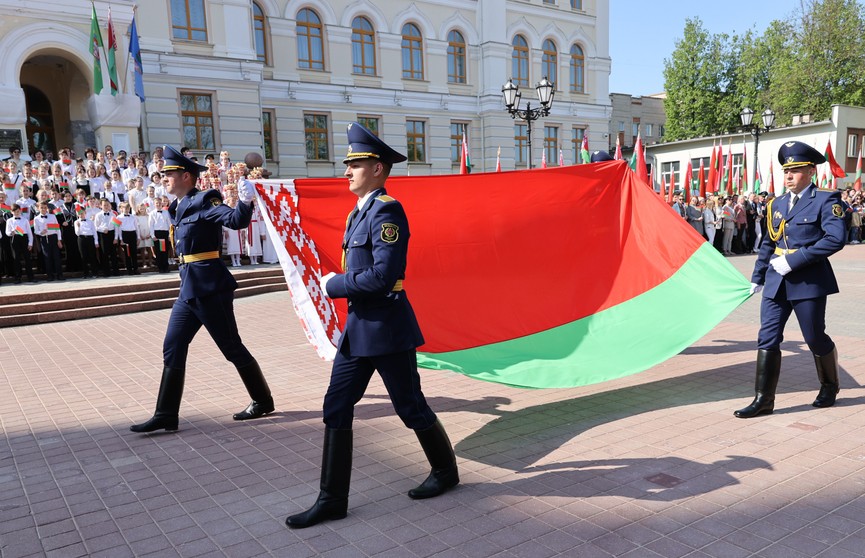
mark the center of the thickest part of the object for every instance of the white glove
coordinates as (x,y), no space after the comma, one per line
(323,282)
(245,191)
(755,288)
(781,266)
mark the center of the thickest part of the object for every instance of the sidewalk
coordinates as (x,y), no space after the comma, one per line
(650,465)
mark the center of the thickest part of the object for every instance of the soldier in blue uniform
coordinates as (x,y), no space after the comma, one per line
(381,333)
(206,291)
(805,227)
(600,156)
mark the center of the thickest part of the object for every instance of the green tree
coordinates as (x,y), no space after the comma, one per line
(804,63)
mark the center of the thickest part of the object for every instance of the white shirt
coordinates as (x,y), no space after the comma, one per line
(22,222)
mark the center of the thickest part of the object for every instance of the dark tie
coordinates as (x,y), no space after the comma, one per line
(793,201)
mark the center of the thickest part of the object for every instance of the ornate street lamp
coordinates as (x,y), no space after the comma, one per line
(511,96)
(747,117)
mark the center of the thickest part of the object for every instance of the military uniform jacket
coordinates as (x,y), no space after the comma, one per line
(812,231)
(380,320)
(198,218)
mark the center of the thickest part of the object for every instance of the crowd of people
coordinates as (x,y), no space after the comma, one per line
(104,213)
(737,224)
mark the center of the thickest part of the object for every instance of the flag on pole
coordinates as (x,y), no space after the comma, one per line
(544,159)
(135,55)
(701,179)
(662,191)
(466,148)
(561,158)
(713,167)
(618,156)
(499,159)
(672,188)
(772,180)
(857,184)
(719,173)
(728,170)
(95,48)
(112,51)
(638,162)
(743,187)
(758,181)
(688,181)
(584,150)
(464,169)
(834,167)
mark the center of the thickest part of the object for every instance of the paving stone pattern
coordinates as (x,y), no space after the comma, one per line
(650,465)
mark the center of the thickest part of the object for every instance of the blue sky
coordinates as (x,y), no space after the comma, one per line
(643,34)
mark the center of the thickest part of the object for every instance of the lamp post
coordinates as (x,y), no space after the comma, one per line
(747,117)
(511,94)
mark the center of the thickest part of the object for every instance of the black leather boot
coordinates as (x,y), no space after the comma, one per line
(827,373)
(768,371)
(167,402)
(332,502)
(437,447)
(256,385)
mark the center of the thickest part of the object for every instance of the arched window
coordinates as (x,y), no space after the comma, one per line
(412,52)
(456,57)
(578,70)
(310,42)
(550,61)
(259,29)
(520,61)
(362,46)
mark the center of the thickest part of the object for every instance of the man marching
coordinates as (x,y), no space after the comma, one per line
(805,227)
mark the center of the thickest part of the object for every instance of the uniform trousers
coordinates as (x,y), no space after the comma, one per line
(87,248)
(811,314)
(216,313)
(349,379)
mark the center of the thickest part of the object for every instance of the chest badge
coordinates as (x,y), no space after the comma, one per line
(836,210)
(389,233)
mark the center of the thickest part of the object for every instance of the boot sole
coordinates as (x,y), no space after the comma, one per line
(305,525)
(764,412)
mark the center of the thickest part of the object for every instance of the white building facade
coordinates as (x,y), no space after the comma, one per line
(284,77)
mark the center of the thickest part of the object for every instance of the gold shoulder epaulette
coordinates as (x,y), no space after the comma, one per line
(385,198)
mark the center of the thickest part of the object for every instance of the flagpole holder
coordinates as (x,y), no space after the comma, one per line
(511,95)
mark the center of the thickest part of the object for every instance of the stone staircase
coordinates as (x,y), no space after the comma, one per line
(44,302)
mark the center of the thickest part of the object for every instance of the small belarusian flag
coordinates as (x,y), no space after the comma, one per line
(584,150)
(19,230)
(53,226)
(5,208)
(57,211)
(162,245)
(9,186)
(116,220)
(561,158)
(95,47)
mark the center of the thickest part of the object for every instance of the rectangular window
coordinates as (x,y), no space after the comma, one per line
(458,130)
(415,135)
(577,136)
(520,147)
(852,145)
(370,123)
(315,132)
(621,125)
(268,133)
(661,130)
(695,169)
(648,130)
(551,145)
(187,20)
(667,170)
(635,128)
(196,114)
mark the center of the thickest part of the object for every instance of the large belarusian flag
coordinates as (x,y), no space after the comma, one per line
(535,278)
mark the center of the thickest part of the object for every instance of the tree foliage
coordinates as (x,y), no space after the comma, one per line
(804,63)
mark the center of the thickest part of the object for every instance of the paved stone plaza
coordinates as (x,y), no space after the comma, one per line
(650,465)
